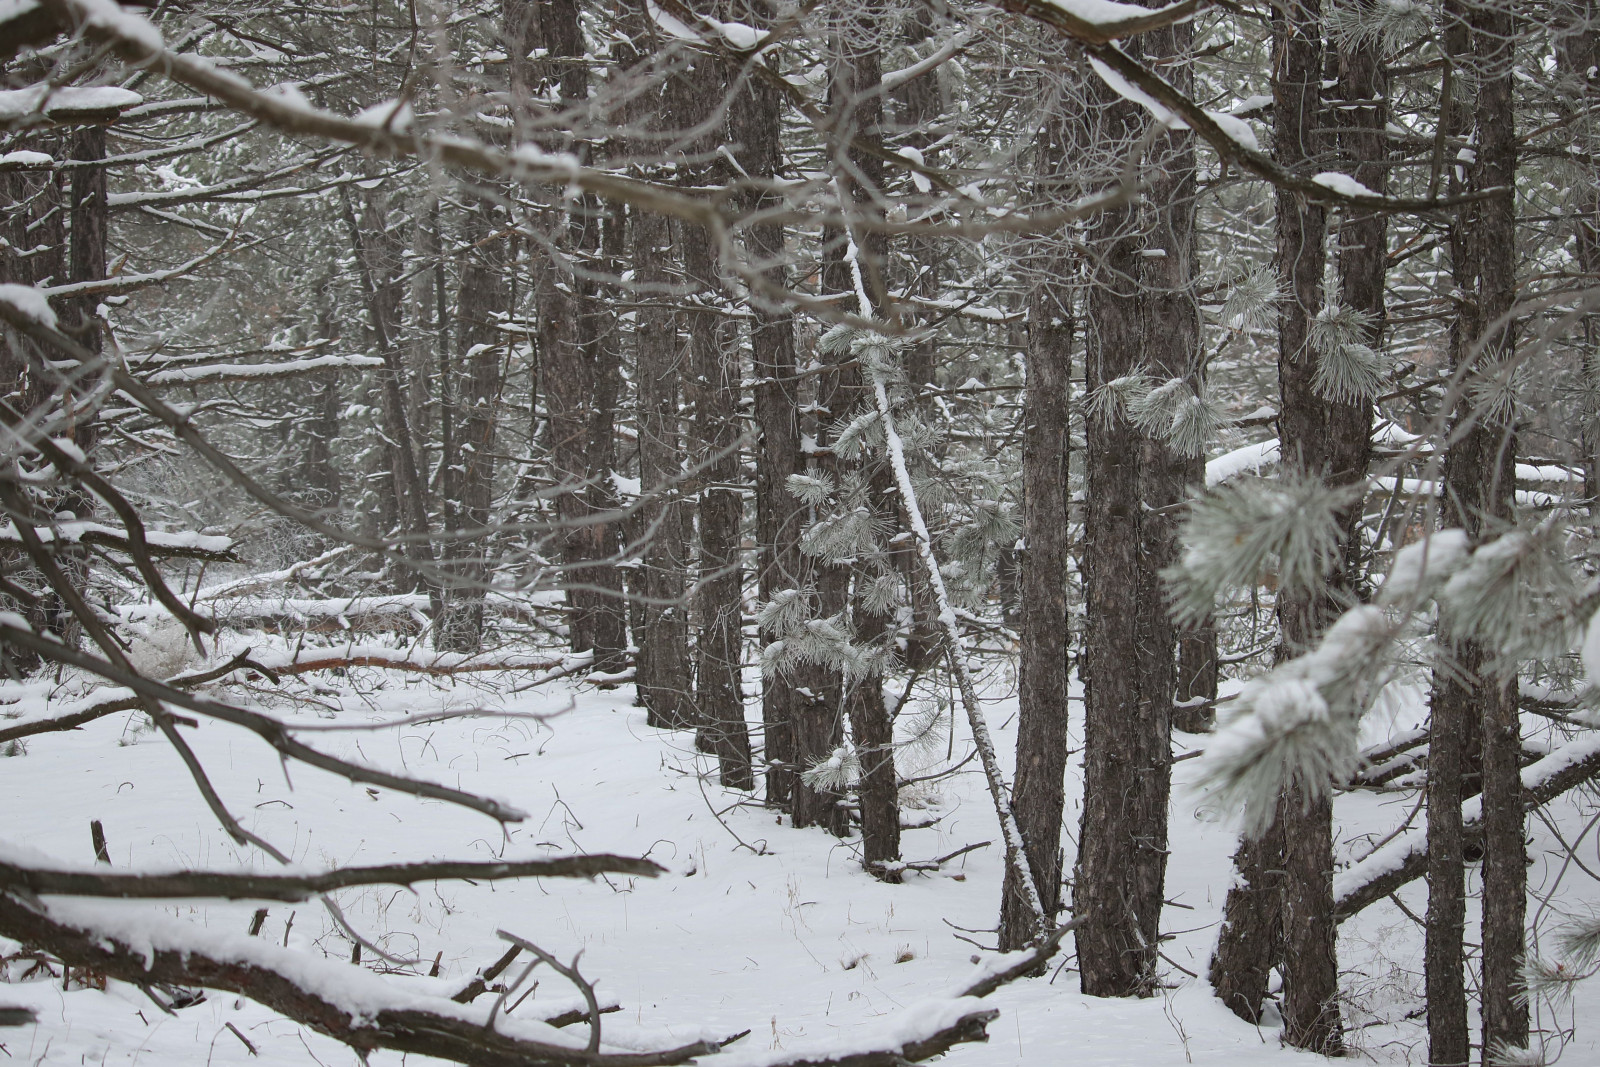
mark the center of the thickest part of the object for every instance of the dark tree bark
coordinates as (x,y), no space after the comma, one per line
(856,99)
(663,674)
(580,380)
(378,263)
(1490,462)
(756,130)
(468,476)
(1323,439)
(1326,439)
(1038,792)
(1144,316)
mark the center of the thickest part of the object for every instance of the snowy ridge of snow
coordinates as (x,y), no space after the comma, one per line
(1343,184)
(18,104)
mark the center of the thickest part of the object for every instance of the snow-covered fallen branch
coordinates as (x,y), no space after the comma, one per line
(1405,858)
(250,885)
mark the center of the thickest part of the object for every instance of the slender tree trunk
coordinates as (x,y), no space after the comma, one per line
(1505,877)
(663,674)
(469,469)
(756,129)
(377,261)
(1038,792)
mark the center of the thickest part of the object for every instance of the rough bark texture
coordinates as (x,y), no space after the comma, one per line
(714,454)
(756,130)
(1117,890)
(1251,940)
(1490,463)
(1326,439)
(580,382)
(857,102)
(468,476)
(1456,709)
(663,673)
(1037,795)
(1323,439)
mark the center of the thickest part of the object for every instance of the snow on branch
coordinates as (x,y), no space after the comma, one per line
(293,887)
(182,544)
(136,41)
(1405,858)
(246,372)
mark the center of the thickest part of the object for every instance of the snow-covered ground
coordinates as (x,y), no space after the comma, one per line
(757,927)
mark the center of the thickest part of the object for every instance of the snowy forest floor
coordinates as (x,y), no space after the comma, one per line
(757,926)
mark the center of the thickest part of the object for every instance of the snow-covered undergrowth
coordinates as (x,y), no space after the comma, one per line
(757,926)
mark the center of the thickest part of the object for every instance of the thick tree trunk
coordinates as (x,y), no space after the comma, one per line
(1144,316)
(714,390)
(1038,792)
(579,379)
(1322,439)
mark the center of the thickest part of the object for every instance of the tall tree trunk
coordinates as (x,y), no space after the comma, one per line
(580,393)
(468,481)
(1505,877)
(378,262)
(1455,709)
(1038,792)
(756,126)
(856,100)
(1144,314)
(663,675)
(1325,439)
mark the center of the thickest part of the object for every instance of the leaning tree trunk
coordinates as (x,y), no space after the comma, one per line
(1038,792)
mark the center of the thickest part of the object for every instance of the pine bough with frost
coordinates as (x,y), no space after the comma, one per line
(1298,723)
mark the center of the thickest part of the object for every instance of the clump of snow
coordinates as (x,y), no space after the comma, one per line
(1343,184)
(30,302)
(389,115)
(24,158)
(161,649)
(1430,561)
